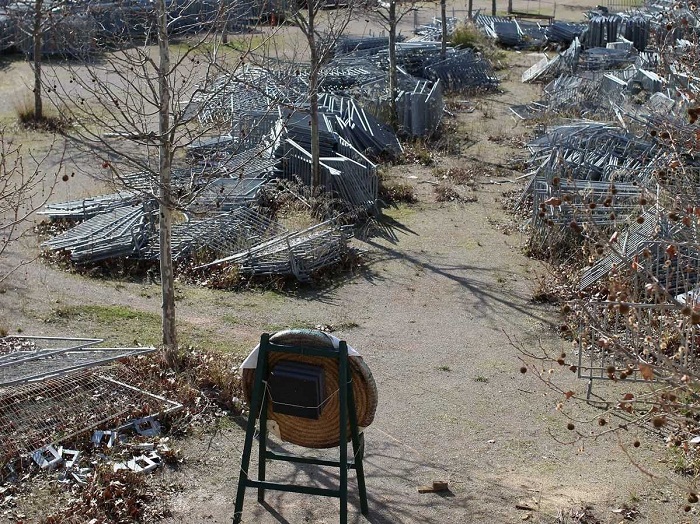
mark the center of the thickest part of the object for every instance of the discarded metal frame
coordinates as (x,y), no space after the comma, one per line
(612,342)
(31,358)
(35,414)
(299,253)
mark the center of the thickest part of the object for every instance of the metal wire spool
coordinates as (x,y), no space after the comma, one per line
(321,432)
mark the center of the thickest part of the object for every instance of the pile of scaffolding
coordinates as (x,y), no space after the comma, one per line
(268,137)
(78,29)
(270,140)
(511,32)
(623,184)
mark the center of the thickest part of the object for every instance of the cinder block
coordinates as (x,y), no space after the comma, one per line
(47,457)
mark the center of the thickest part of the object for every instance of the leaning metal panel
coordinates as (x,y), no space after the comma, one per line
(28,358)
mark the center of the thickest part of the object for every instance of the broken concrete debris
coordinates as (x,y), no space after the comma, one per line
(145,456)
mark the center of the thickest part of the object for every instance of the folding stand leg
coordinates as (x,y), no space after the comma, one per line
(343,397)
(262,447)
(255,403)
(358,448)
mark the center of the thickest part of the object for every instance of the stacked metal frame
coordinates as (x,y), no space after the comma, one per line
(121,232)
(565,62)
(297,254)
(217,236)
(616,345)
(89,207)
(420,111)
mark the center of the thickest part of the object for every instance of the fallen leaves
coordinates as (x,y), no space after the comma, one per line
(646,371)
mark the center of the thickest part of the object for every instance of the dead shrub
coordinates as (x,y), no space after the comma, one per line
(28,119)
(447,193)
(394,193)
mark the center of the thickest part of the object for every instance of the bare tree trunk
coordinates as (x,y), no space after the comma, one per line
(166,203)
(443,17)
(38,39)
(470,9)
(313,98)
(493,7)
(393,80)
(510,6)
(224,27)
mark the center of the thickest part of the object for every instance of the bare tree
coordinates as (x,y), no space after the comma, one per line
(389,15)
(132,109)
(443,23)
(24,188)
(46,26)
(322,30)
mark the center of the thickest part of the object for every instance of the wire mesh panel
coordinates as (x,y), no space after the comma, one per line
(36,414)
(52,389)
(615,6)
(629,341)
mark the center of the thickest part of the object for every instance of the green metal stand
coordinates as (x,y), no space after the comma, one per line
(347,413)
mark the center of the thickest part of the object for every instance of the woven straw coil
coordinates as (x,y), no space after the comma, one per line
(321,432)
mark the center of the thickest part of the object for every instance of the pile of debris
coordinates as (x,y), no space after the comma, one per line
(614,182)
(53,389)
(135,446)
(270,139)
(512,32)
(79,29)
(267,113)
(634,182)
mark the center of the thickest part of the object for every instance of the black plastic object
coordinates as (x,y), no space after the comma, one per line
(296,389)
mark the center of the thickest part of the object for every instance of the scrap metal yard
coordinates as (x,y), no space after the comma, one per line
(510,242)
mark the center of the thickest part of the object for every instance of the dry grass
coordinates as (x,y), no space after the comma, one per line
(394,193)
(49,121)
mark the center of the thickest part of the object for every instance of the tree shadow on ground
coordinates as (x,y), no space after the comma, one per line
(478,281)
(393,473)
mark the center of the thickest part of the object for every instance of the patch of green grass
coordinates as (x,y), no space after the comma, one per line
(211,340)
(248,43)
(399,212)
(482,379)
(346,325)
(230,320)
(120,324)
(684,462)
(444,368)
(102,314)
